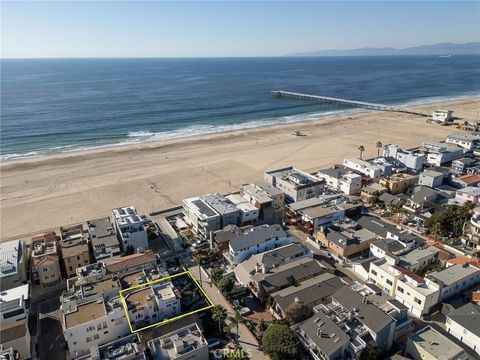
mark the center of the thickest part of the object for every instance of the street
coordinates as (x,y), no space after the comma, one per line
(245,338)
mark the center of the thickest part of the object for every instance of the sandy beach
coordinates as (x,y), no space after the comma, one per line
(44,193)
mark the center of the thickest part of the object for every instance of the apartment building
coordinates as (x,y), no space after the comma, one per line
(346,181)
(372,192)
(380,248)
(464,140)
(93,322)
(186,343)
(258,240)
(151,304)
(14,333)
(74,247)
(296,184)
(463,323)
(412,161)
(312,219)
(431,178)
(384,273)
(309,292)
(13,270)
(469,193)
(323,339)
(270,207)
(418,259)
(455,279)
(461,165)
(364,167)
(142,260)
(103,239)
(346,238)
(466,180)
(429,344)
(417,294)
(269,260)
(264,282)
(293,211)
(354,311)
(129,347)
(201,216)
(229,213)
(248,211)
(46,260)
(130,228)
(441,153)
(399,183)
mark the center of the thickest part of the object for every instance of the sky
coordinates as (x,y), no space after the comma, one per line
(208,29)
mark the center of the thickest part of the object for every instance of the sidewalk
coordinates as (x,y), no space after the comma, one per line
(245,337)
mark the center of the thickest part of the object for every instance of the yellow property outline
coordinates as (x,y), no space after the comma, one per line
(125,308)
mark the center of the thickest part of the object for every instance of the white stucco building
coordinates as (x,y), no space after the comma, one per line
(258,240)
(130,229)
(464,324)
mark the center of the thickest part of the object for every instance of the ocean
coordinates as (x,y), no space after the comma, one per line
(63,105)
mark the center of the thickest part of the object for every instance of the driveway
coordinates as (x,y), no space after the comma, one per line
(51,343)
(248,342)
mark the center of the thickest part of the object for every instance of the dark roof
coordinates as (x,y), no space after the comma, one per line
(467,316)
(289,274)
(327,335)
(277,256)
(204,209)
(102,233)
(310,291)
(388,245)
(376,225)
(344,238)
(370,315)
(257,236)
(389,199)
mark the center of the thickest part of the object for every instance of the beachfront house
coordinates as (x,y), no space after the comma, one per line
(296,184)
(130,228)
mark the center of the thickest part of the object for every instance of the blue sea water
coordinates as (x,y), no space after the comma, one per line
(59,105)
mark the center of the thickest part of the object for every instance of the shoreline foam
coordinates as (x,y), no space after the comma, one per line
(135,138)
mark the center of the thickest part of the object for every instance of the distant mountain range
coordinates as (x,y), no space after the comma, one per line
(470,48)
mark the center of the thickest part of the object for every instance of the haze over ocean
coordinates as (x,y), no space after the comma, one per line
(57,105)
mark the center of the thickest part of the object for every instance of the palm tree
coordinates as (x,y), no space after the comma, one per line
(219,313)
(236,320)
(437,229)
(378,145)
(362,149)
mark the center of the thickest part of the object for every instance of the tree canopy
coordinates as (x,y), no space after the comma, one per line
(226,284)
(297,312)
(280,342)
(449,222)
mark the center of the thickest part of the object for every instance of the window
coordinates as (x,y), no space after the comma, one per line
(13,313)
(418,301)
(374,272)
(389,282)
(399,289)
(71,268)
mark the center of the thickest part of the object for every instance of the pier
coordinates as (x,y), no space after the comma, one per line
(352,103)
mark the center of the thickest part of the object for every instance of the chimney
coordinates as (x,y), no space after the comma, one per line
(257,268)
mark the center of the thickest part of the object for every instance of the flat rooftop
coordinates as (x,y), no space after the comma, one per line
(85,313)
(436,344)
(453,274)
